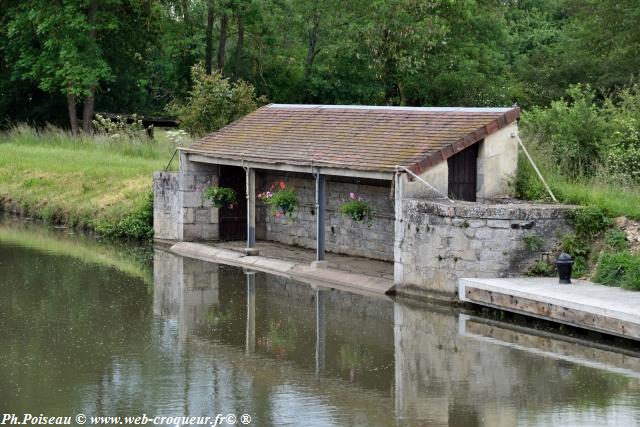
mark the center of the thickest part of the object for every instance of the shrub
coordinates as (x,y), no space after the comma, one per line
(616,240)
(214,102)
(533,242)
(119,127)
(541,268)
(526,184)
(357,208)
(137,225)
(590,221)
(579,249)
(570,133)
(220,196)
(281,200)
(619,269)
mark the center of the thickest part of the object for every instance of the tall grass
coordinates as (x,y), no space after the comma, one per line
(614,195)
(82,180)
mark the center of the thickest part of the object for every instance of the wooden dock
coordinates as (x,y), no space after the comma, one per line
(582,304)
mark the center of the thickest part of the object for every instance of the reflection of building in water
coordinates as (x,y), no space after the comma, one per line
(184,289)
(448,376)
(287,347)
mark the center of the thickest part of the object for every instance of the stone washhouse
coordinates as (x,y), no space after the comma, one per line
(438,180)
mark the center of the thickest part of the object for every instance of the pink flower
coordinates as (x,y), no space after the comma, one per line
(352,195)
(278,213)
(282,185)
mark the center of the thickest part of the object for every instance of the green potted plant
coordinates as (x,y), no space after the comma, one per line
(357,208)
(281,200)
(220,196)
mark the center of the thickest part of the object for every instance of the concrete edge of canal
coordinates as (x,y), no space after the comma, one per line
(315,276)
(582,304)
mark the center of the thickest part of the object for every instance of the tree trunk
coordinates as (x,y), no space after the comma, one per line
(239,46)
(208,54)
(312,47)
(222,45)
(73,115)
(185,10)
(89,101)
(87,112)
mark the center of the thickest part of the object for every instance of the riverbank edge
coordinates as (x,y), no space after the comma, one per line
(320,277)
(115,228)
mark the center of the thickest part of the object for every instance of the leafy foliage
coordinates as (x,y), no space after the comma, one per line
(119,126)
(357,208)
(590,221)
(220,196)
(619,269)
(282,200)
(137,225)
(214,102)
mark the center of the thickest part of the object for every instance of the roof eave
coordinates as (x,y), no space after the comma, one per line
(322,168)
(471,138)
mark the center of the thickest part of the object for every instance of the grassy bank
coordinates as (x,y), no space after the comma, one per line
(101,183)
(600,248)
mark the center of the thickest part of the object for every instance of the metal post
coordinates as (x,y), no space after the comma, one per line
(321,206)
(251,212)
(251,312)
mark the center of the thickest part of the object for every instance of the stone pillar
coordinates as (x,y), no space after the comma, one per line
(321,207)
(198,219)
(251,212)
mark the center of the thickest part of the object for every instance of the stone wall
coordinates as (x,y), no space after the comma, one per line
(343,234)
(437,243)
(497,163)
(179,211)
(166,209)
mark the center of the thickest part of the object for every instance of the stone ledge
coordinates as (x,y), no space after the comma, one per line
(498,211)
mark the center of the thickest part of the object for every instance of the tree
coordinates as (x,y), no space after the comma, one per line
(214,102)
(54,44)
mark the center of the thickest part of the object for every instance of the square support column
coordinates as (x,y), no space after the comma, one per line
(251,212)
(321,207)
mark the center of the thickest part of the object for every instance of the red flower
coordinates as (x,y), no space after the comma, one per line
(282,185)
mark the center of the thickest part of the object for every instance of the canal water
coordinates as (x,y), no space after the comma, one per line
(98,329)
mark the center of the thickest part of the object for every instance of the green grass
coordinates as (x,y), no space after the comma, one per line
(599,251)
(79,181)
(614,198)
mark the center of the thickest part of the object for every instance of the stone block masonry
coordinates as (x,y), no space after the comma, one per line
(343,234)
(441,242)
(179,210)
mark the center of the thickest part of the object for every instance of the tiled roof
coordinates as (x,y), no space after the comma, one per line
(353,137)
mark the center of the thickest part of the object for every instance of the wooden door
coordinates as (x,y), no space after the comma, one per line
(463,174)
(233,221)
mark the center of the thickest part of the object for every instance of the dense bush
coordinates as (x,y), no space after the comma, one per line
(585,137)
(569,132)
(137,225)
(214,102)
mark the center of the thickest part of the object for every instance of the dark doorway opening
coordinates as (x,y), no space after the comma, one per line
(463,174)
(233,220)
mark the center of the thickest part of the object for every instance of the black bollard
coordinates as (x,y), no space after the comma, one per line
(564,263)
